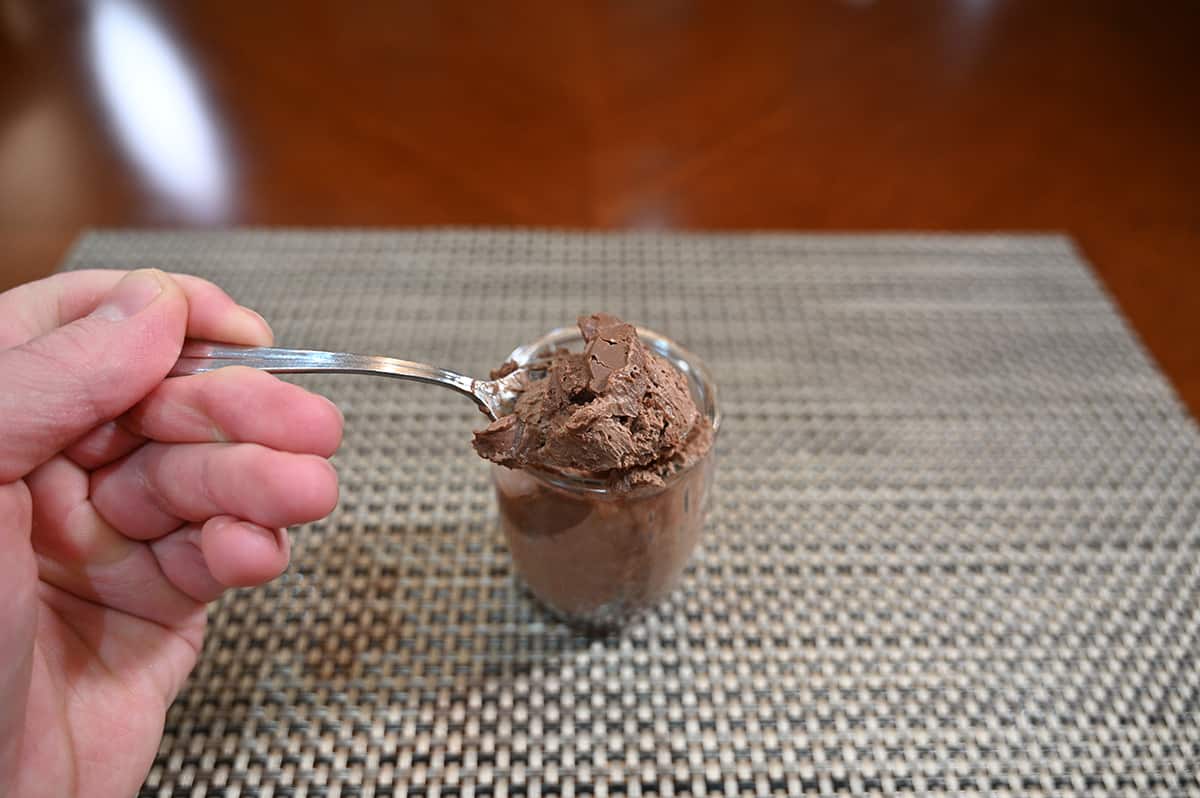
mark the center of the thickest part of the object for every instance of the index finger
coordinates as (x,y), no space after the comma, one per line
(37,308)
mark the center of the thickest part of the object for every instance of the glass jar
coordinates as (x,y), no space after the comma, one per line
(595,556)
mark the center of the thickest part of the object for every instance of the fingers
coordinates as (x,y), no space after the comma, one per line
(241,554)
(204,560)
(62,384)
(18,623)
(162,581)
(106,443)
(160,486)
(37,308)
(182,562)
(81,553)
(238,404)
(231,404)
(82,375)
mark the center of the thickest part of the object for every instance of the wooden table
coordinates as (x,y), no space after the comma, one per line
(1080,116)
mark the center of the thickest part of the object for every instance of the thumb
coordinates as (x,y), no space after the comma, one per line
(59,386)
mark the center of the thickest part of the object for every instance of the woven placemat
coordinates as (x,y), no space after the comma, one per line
(953,546)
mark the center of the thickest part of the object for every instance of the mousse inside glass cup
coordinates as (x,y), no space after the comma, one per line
(602,471)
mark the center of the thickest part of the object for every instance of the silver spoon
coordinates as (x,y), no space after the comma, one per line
(495,397)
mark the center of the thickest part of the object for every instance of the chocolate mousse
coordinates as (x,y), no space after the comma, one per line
(613,412)
(603,469)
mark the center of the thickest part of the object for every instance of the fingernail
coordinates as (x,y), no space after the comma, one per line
(131,296)
(266,325)
(255,314)
(279,537)
(247,327)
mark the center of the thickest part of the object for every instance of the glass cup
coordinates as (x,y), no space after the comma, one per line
(597,557)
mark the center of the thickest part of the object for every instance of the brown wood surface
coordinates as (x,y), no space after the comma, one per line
(1080,116)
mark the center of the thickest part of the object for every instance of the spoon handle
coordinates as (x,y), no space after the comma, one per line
(198,357)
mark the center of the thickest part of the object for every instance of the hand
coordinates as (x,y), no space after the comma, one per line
(126,503)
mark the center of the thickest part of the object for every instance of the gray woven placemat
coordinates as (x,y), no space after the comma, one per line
(953,548)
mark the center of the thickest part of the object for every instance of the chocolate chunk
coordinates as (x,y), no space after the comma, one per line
(614,411)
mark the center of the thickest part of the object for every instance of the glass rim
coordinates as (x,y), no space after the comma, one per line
(681,359)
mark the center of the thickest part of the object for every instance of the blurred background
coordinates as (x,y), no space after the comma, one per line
(1079,116)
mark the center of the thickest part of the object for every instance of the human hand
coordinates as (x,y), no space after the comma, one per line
(126,504)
